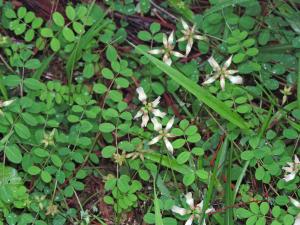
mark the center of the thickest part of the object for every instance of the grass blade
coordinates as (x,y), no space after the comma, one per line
(228,219)
(168,162)
(265,126)
(224,4)
(39,72)
(212,181)
(201,93)
(3,89)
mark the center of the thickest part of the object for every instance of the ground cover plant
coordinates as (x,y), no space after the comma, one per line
(150,112)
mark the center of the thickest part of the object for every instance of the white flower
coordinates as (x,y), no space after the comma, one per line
(189,34)
(149,107)
(291,170)
(286,92)
(163,133)
(222,73)
(296,204)
(5,104)
(194,211)
(167,50)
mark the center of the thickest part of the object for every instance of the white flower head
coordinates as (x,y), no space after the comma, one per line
(5,104)
(149,107)
(163,133)
(223,73)
(291,170)
(168,49)
(189,34)
(193,211)
(286,92)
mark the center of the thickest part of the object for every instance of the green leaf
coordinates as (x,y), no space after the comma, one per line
(33,84)
(46,176)
(34,170)
(21,12)
(55,44)
(46,32)
(13,154)
(183,157)
(22,131)
(111,53)
(58,19)
(201,93)
(70,12)
(106,127)
(68,34)
(188,179)
(243,213)
(32,64)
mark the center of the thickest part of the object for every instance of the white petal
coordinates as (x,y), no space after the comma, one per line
(213,63)
(190,220)
(168,61)
(142,94)
(168,144)
(297,220)
(165,41)
(227,63)
(155,140)
(156,51)
(145,119)
(288,169)
(289,177)
(189,200)
(209,210)
(182,39)
(158,113)
(211,79)
(296,159)
(200,37)
(189,46)
(169,124)
(156,102)
(138,114)
(180,211)
(295,202)
(235,79)
(171,38)
(222,83)
(157,125)
(200,205)
(184,25)
(177,54)
(231,72)
(7,103)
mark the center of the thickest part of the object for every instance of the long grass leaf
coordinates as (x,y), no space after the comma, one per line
(167,162)
(224,4)
(45,63)
(265,126)
(212,181)
(228,219)
(201,93)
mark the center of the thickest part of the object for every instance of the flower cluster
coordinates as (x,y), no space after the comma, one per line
(193,211)
(150,109)
(291,170)
(189,35)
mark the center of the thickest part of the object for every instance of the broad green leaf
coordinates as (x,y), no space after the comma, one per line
(22,131)
(13,154)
